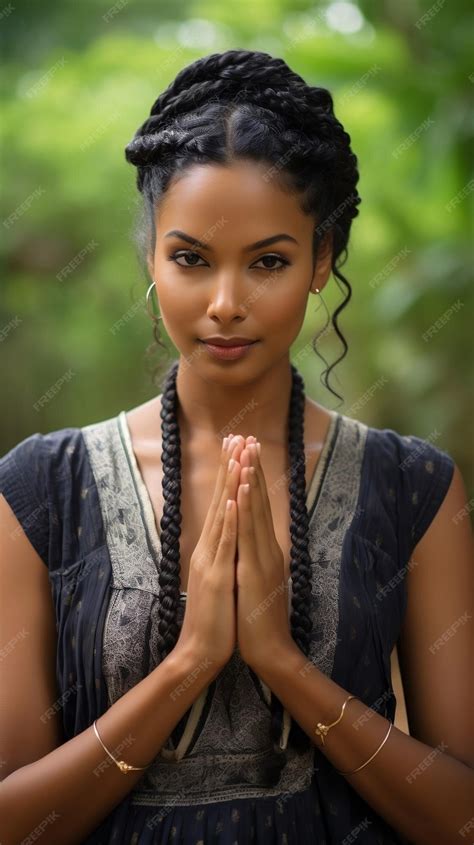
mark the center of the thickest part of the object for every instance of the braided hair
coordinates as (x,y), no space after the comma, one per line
(223,107)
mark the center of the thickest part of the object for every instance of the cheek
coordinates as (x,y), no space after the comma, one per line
(283,311)
(178,304)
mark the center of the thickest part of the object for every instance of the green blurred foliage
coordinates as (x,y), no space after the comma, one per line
(80,78)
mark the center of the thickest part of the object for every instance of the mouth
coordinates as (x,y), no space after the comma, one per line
(228,353)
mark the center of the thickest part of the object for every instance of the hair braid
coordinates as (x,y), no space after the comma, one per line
(170,527)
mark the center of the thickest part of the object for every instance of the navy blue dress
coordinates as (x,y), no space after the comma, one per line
(82,502)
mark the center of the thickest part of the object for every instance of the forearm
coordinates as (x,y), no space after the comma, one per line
(71,790)
(423,793)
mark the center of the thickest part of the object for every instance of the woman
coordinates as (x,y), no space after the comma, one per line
(226,676)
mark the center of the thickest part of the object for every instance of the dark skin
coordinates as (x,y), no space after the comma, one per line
(217,296)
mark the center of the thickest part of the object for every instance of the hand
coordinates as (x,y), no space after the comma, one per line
(262,591)
(209,623)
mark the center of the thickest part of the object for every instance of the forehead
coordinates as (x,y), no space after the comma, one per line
(242,195)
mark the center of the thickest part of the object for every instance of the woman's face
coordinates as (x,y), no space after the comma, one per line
(228,286)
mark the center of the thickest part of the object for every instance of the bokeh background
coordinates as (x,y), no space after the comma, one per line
(79,78)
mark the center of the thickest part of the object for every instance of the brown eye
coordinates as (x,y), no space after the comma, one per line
(273,257)
(185,253)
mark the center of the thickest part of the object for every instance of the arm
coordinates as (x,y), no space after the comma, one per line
(422,785)
(44,783)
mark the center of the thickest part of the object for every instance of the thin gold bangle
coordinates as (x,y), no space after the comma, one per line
(321,730)
(370,758)
(123,766)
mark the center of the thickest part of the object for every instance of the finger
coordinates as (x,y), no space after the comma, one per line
(228,492)
(262,532)
(251,459)
(225,555)
(225,456)
(261,509)
(256,462)
(245,527)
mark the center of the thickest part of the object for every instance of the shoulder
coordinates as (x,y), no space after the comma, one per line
(38,479)
(410,474)
(33,459)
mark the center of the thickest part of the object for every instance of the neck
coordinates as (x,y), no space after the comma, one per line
(232,404)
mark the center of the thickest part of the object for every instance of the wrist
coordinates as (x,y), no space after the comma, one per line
(187,659)
(277,654)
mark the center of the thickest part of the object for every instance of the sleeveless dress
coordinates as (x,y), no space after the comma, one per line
(81,500)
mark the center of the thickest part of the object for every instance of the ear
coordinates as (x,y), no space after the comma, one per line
(322,269)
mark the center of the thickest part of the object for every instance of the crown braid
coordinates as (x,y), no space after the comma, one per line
(170,531)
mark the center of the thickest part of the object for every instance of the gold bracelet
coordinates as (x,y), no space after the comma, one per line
(321,730)
(370,758)
(123,766)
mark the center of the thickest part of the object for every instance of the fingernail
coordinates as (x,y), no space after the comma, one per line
(231,465)
(224,443)
(259,448)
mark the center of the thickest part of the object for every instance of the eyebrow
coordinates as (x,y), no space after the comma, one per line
(257,245)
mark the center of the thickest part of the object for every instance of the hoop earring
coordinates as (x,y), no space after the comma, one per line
(152,315)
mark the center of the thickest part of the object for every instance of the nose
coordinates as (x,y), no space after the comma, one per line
(228,300)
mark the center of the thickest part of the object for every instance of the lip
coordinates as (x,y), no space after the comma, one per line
(228,353)
(215,340)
